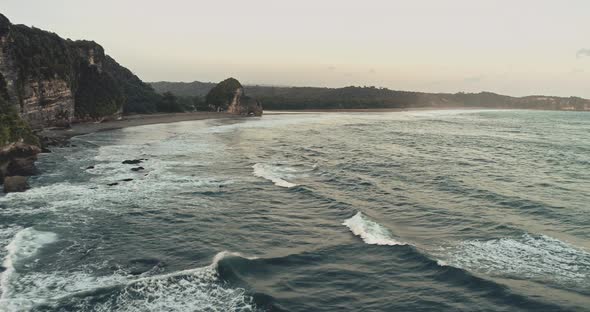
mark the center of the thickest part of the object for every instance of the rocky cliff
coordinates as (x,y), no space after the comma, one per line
(52,81)
(229,96)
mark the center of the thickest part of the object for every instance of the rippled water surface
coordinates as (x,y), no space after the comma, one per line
(406,211)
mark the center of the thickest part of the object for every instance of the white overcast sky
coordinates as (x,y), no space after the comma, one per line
(516,47)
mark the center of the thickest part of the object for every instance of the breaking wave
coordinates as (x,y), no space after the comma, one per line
(371,232)
(276,174)
(24,245)
(200,289)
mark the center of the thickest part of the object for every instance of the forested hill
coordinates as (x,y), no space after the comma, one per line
(294,98)
(195,88)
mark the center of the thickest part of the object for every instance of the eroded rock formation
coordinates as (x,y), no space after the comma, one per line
(229,96)
(17,160)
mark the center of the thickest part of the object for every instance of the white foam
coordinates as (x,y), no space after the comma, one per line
(276,174)
(24,245)
(198,289)
(371,232)
(530,256)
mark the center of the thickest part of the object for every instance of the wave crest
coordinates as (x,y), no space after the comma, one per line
(23,246)
(371,232)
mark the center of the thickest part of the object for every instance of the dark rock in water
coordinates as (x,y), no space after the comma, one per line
(22,166)
(113,184)
(89,167)
(45,150)
(15,184)
(132,162)
(57,142)
(19,150)
(18,159)
(2,269)
(127,180)
(137,169)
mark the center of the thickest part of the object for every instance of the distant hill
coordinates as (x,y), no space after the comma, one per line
(296,98)
(195,88)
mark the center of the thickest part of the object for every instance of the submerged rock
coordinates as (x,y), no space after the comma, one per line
(137,169)
(89,167)
(15,184)
(133,161)
(113,184)
(127,180)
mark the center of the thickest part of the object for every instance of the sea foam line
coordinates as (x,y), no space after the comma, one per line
(528,256)
(199,288)
(370,231)
(274,174)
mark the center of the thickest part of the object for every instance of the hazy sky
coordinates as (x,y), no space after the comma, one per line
(515,47)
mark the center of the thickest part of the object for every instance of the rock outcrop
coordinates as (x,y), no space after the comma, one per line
(15,184)
(17,160)
(228,96)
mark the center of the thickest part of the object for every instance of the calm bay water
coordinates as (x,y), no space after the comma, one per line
(412,211)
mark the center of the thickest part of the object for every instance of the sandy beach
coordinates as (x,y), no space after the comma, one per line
(128,121)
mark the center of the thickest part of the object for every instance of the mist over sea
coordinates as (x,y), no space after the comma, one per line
(405,211)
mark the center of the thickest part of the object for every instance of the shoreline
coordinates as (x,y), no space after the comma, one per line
(126,122)
(58,134)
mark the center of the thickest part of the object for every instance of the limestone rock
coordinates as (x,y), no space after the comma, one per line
(229,96)
(15,184)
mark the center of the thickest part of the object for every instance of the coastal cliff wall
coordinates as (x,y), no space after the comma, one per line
(52,81)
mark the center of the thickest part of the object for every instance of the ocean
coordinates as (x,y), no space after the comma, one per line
(450,210)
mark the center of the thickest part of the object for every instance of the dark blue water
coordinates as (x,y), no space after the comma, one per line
(412,211)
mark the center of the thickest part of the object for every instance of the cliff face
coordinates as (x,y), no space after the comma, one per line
(229,96)
(52,81)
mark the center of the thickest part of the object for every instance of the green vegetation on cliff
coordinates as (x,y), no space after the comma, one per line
(42,55)
(98,94)
(99,84)
(140,97)
(12,127)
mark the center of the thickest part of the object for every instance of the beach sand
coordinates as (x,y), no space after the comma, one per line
(129,121)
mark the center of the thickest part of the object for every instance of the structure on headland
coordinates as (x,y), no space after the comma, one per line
(228,96)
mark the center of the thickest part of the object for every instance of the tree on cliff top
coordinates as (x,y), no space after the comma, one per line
(221,95)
